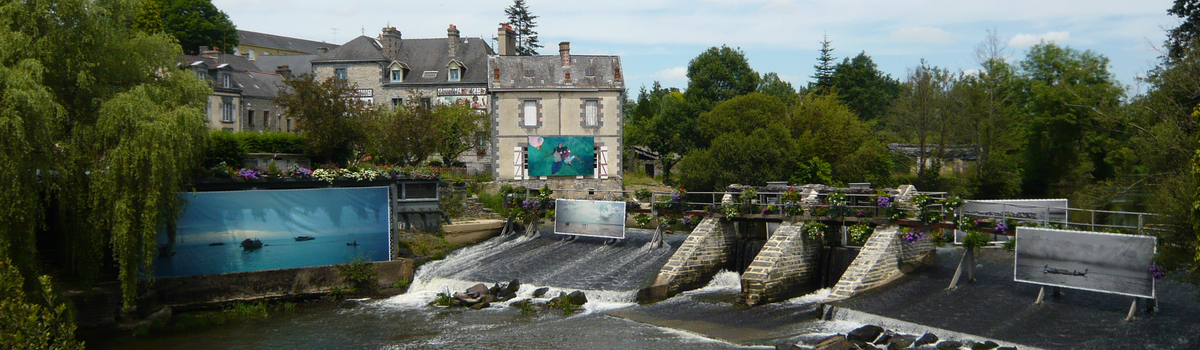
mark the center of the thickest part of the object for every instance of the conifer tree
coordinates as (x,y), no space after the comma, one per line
(523,23)
(825,65)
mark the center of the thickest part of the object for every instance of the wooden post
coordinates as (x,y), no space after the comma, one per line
(957,272)
(1151,304)
(1041,293)
(1132,309)
(971,268)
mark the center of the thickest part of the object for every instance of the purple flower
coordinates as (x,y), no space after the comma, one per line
(686,220)
(1001,226)
(528,203)
(248,174)
(676,197)
(860,213)
(912,236)
(1158,272)
(883,202)
(302,172)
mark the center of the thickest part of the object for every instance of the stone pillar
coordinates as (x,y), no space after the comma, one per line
(784,268)
(693,265)
(884,258)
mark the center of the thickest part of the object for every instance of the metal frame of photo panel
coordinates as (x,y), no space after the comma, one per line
(1017,251)
(557,212)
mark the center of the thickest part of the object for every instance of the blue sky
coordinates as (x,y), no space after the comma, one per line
(657,38)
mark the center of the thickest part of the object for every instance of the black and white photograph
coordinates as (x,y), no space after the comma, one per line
(1094,261)
(589,218)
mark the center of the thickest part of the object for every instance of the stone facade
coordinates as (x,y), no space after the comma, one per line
(703,254)
(884,258)
(784,268)
(559,116)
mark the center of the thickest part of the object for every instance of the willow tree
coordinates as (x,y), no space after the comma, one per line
(98,133)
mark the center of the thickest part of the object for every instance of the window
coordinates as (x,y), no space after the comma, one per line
(227,112)
(396,102)
(266,119)
(530,112)
(250,117)
(289,125)
(426,103)
(495,73)
(225,81)
(251,54)
(591,72)
(591,112)
(397,75)
(529,73)
(200,74)
(454,74)
(429,74)
(339,73)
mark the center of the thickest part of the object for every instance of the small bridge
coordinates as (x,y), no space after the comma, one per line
(770,236)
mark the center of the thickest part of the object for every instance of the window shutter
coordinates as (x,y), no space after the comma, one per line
(530,113)
(603,163)
(591,110)
(518,163)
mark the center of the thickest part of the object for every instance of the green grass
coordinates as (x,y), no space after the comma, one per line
(637,178)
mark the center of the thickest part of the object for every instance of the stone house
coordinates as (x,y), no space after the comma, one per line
(393,70)
(555,95)
(243,96)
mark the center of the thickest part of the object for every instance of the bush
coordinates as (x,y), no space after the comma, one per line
(231,148)
(361,275)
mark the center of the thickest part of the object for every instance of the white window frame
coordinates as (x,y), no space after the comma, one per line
(397,75)
(529,112)
(225,83)
(455,74)
(340,73)
(227,112)
(591,111)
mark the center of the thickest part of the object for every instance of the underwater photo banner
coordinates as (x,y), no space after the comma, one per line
(239,231)
(561,155)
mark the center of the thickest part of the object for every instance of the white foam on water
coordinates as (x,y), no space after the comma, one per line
(598,300)
(724,280)
(690,337)
(811,298)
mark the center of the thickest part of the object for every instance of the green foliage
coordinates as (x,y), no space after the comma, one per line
(862,87)
(197,22)
(643,194)
(742,115)
(34,322)
(925,115)
(719,74)
(401,283)
(332,122)
(859,233)
(459,128)
(523,24)
(443,299)
(812,171)
(975,240)
(823,70)
(361,275)
(427,245)
(663,121)
(730,210)
(642,219)
(751,159)
(826,129)
(1181,40)
(1010,245)
(232,147)
(772,85)
(248,310)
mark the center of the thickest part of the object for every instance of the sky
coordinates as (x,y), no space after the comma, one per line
(657,38)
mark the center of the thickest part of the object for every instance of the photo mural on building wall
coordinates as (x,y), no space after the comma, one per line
(239,231)
(561,155)
(475,98)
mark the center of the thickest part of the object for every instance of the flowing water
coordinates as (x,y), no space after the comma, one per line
(705,318)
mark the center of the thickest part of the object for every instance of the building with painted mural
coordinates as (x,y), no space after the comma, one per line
(392,70)
(557,118)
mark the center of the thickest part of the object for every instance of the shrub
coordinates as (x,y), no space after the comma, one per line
(361,275)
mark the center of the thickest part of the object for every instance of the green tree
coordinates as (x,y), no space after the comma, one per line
(32,323)
(196,23)
(823,70)
(119,127)
(825,128)
(664,122)
(744,114)
(990,121)
(523,23)
(1181,39)
(925,115)
(459,128)
(1067,142)
(405,135)
(735,157)
(772,85)
(719,74)
(326,115)
(863,87)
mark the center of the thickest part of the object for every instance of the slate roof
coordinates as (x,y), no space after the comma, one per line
(281,42)
(299,64)
(245,76)
(420,55)
(547,72)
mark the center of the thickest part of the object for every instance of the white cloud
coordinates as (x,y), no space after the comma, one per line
(922,34)
(780,6)
(672,74)
(1026,40)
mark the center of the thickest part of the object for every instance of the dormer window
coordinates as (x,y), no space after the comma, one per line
(398,75)
(591,72)
(397,72)
(455,75)
(201,75)
(455,70)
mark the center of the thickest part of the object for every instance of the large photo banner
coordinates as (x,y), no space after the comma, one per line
(1093,261)
(561,155)
(589,218)
(238,231)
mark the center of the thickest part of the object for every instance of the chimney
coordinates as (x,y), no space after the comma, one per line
(452,38)
(209,51)
(201,49)
(506,40)
(390,41)
(284,71)
(322,50)
(564,51)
